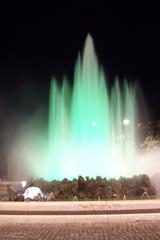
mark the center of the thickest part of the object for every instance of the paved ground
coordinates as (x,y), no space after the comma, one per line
(100,227)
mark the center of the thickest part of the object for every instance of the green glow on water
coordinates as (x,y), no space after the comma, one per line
(86,132)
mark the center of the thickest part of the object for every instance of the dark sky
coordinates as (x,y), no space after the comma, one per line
(40,41)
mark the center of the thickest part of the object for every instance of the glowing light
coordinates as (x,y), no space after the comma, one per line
(32,192)
(126,121)
(23,184)
(94,124)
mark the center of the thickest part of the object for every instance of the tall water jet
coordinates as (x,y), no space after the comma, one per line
(87,132)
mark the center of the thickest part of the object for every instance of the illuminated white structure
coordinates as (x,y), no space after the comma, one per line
(32,192)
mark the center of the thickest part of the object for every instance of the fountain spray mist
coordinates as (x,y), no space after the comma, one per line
(91,130)
(92,126)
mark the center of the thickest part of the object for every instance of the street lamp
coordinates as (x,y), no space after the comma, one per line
(23,184)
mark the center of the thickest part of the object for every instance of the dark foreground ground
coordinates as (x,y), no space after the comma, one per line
(106,227)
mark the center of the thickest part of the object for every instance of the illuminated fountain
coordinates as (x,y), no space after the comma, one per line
(91,126)
(91,129)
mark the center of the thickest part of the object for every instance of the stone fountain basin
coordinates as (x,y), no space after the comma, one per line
(80,207)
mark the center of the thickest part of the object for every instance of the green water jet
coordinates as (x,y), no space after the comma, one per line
(87,132)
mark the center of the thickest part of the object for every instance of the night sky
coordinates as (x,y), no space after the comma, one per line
(38,42)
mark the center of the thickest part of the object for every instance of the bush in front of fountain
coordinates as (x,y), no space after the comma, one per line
(98,188)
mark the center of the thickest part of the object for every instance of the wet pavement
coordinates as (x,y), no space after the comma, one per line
(78,227)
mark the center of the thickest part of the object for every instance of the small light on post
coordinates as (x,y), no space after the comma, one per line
(23,184)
